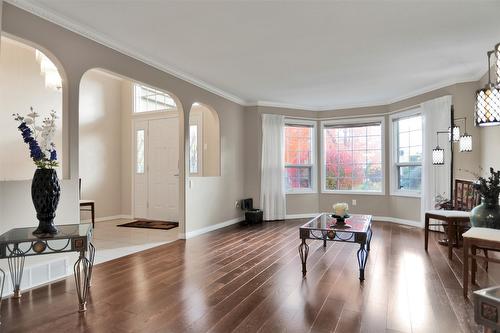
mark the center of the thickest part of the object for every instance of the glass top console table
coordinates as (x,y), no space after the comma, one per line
(357,229)
(18,243)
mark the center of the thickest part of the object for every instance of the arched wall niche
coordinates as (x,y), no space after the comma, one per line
(24,84)
(204,141)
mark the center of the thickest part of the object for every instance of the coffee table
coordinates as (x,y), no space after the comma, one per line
(357,229)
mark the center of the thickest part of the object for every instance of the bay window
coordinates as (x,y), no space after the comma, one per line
(300,156)
(407,153)
(352,154)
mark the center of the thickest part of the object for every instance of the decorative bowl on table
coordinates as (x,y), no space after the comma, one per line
(340,221)
(340,213)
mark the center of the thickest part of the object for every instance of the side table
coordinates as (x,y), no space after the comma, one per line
(16,244)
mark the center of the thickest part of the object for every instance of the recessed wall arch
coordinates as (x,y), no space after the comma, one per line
(42,99)
(204,141)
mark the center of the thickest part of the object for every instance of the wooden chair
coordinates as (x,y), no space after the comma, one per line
(455,217)
(86,205)
(485,239)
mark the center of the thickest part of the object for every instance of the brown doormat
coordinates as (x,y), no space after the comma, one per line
(164,225)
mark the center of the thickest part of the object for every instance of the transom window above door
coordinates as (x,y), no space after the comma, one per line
(147,99)
(300,154)
(352,152)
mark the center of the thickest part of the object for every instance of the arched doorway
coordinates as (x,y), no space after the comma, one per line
(129,161)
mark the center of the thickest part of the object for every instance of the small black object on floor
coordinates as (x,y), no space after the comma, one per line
(252,215)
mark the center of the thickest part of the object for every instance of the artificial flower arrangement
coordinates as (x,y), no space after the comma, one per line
(340,209)
(40,139)
(489,188)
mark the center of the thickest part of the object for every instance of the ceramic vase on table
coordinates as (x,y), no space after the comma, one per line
(45,193)
(487,214)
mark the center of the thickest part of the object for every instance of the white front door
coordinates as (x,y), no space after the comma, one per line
(156,190)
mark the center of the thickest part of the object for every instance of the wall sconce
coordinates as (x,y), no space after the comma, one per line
(487,111)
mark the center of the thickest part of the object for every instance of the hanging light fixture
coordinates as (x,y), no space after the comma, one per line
(488,99)
(456,134)
(465,143)
(438,153)
(497,53)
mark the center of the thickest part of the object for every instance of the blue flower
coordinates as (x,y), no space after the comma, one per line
(35,151)
(53,155)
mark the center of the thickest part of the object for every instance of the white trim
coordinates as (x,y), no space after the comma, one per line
(411,223)
(107,218)
(348,121)
(201,231)
(393,174)
(89,33)
(301,216)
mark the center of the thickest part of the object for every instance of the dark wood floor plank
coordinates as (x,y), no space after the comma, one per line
(247,279)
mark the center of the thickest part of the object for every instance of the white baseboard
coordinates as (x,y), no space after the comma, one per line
(411,223)
(197,232)
(107,218)
(301,216)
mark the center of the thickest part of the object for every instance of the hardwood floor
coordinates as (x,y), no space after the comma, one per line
(248,279)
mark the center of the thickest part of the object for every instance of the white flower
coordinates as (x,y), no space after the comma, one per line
(28,120)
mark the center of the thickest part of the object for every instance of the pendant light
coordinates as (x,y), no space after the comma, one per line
(437,153)
(497,53)
(456,134)
(487,111)
(465,143)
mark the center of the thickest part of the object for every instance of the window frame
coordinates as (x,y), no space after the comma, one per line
(394,144)
(352,121)
(136,101)
(314,137)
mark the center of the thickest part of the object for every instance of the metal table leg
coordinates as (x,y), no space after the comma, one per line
(303,252)
(362,257)
(369,239)
(2,276)
(16,267)
(83,274)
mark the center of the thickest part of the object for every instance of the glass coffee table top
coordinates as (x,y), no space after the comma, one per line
(325,221)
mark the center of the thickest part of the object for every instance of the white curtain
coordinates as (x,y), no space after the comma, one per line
(272,182)
(435,178)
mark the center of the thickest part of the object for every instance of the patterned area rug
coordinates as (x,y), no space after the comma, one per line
(164,225)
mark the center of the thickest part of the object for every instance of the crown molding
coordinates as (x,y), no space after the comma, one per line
(89,33)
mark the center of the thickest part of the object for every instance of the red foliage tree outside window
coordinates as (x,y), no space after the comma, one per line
(353,158)
(298,157)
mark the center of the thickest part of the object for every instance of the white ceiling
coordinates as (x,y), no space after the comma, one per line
(316,55)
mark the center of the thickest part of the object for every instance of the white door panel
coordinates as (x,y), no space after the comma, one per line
(162,182)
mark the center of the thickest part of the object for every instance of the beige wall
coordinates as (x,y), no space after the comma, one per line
(397,207)
(100,141)
(22,86)
(76,55)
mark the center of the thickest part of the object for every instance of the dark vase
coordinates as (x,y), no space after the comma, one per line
(487,214)
(45,192)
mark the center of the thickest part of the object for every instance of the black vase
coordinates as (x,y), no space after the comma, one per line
(45,192)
